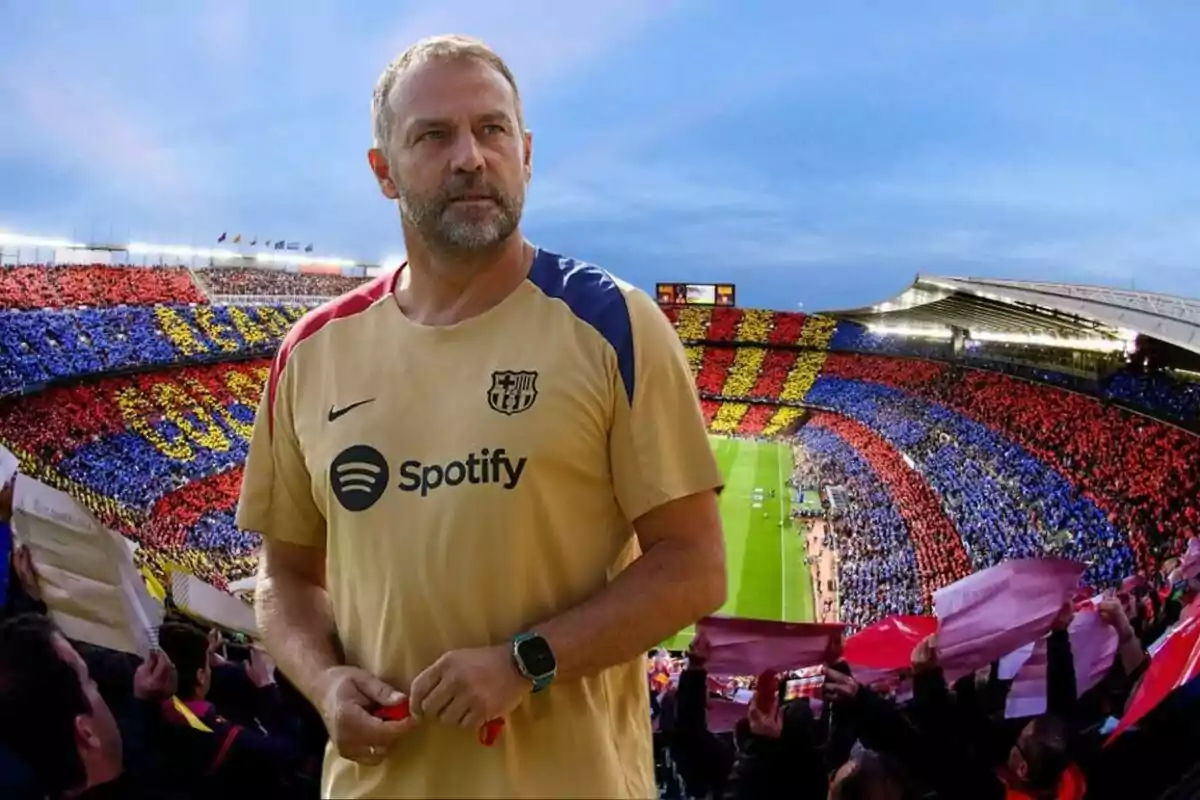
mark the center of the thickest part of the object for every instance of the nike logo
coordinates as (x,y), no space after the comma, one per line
(334,412)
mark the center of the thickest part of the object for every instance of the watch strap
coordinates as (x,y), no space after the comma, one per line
(539,682)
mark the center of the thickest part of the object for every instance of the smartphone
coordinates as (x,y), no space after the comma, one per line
(807,682)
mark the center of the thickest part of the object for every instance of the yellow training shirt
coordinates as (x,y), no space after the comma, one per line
(469,481)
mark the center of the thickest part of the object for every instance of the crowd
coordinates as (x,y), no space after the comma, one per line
(1140,472)
(937,735)
(205,715)
(877,566)
(258,281)
(156,456)
(895,544)
(755,373)
(1157,392)
(747,419)
(700,324)
(1004,502)
(37,286)
(40,347)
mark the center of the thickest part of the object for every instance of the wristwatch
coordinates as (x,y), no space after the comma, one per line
(534,660)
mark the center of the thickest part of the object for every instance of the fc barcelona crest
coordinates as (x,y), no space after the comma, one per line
(512,391)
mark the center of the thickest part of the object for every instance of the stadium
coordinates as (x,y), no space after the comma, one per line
(872,456)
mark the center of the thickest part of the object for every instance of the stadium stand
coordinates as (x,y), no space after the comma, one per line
(37,286)
(897,537)
(134,391)
(155,456)
(41,347)
(261,282)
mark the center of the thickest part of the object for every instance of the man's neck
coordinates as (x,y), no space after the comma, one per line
(99,773)
(439,289)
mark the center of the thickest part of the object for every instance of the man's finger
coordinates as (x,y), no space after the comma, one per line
(438,699)
(422,685)
(377,691)
(473,720)
(368,729)
(455,711)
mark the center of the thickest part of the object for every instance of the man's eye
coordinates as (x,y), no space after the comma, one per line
(431,136)
(493,128)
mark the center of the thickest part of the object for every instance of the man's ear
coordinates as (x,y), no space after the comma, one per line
(382,172)
(85,733)
(528,156)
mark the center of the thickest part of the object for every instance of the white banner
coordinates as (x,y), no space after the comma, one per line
(85,571)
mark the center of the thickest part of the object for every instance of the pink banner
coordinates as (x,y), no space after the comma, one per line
(888,644)
(991,613)
(1093,648)
(723,715)
(754,646)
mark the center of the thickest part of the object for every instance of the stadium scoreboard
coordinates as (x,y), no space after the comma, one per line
(696,294)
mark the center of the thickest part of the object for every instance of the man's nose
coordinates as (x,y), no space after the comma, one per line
(466,155)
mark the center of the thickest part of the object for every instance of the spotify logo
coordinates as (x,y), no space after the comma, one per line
(359,476)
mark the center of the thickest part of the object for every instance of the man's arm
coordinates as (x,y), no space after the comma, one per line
(293,609)
(665,479)
(294,615)
(679,578)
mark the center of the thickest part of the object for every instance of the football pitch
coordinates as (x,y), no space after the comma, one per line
(768,578)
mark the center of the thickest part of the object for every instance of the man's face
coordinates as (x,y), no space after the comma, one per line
(96,731)
(457,160)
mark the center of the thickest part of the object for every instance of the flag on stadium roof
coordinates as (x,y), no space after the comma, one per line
(221,238)
(309,248)
(237,239)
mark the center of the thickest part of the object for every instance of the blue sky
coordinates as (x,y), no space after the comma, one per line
(816,153)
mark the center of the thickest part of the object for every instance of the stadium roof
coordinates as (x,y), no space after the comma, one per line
(1058,310)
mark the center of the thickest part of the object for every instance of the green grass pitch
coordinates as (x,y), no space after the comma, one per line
(768,578)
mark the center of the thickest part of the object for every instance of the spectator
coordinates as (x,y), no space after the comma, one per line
(53,717)
(257,281)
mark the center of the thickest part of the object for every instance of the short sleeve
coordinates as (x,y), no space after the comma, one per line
(658,444)
(276,498)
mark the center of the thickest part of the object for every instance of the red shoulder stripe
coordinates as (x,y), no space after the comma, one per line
(353,302)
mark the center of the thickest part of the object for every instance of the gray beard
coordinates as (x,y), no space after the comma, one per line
(445,230)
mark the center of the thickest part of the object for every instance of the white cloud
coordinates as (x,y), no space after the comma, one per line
(91,131)
(544,41)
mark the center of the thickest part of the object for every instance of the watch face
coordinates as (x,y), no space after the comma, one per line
(536,656)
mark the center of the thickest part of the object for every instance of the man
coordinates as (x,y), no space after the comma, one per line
(235,757)
(483,480)
(54,719)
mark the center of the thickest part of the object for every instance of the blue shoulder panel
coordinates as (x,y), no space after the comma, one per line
(595,298)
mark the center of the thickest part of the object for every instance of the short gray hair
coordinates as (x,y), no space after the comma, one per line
(448,47)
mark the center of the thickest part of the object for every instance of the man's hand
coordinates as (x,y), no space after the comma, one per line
(1065,615)
(766,723)
(6,500)
(925,654)
(260,669)
(1113,614)
(22,562)
(699,651)
(155,678)
(467,688)
(839,686)
(215,659)
(347,697)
